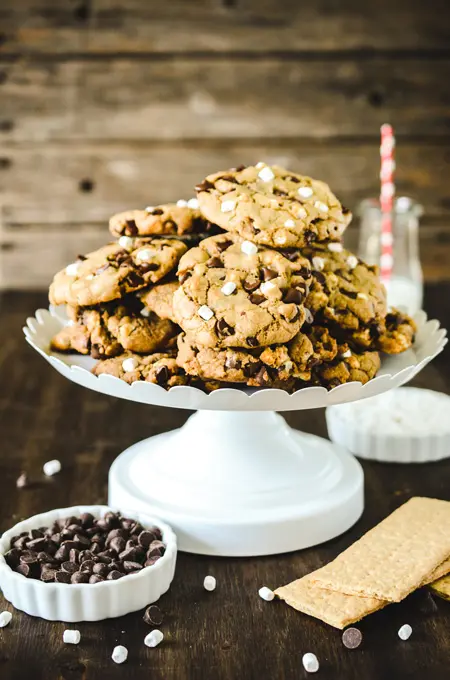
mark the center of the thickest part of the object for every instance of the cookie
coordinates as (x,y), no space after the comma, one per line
(160,369)
(111,272)
(276,366)
(235,308)
(344,290)
(348,366)
(170,219)
(272,206)
(398,335)
(230,251)
(111,329)
(159,299)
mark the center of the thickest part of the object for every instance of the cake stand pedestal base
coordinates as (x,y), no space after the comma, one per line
(241,484)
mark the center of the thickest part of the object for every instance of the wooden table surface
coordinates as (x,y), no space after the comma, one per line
(230,633)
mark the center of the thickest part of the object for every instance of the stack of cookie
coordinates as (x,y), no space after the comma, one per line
(272,299)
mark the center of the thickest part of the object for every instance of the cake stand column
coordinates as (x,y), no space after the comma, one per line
(241,483)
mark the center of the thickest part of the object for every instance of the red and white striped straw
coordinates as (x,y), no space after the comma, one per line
(387,195)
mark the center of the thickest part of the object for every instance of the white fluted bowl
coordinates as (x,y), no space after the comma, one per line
(87,601)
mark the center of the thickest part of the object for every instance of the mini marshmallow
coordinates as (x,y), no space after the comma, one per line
(145,255)
(129,364)
(150,208)
(52,467)
(227,206)
(249,248)
(352,261)
(318,263)
(205,313)
(154,638)
(308,316)
(305,192)
(267,286)
(126,242)
(301,213)
(321,206)
(346,354)
(266,174)
(228,288)
(362,296)
(120,654)
(193,203)
(405,632)
(182,204)
(289,223)
(310,662)
(5,619)
(335,247)
(209,583)
(280,238)
(72,269)
(260,164)
(71,637)
(145,312)
(266,594)
(89,277)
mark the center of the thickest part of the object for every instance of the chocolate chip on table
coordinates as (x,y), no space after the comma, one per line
(153,615)
(257,298)
(82,550)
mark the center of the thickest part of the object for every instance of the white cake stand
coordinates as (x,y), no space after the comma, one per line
(236,480)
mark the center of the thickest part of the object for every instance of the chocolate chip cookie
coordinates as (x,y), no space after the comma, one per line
(272,206)
(232,252)
(347,367)
(274,366)
(110,329)
(344,290)
(160,369)
(236,308)
(159,299)
(398,333)
(111,272)
(170,219)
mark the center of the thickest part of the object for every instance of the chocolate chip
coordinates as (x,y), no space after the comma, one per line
(12,557)
(262,377)
(129,565)
(45,558)
(151,561)
(134,279)
(183,276)
(130,228)
(257,298)
(37,544)
(62,577)
(206,185)
(223,328)
(48,575)
(319,276)
(87,565)
(293,295)
(291,178)
(128,555)
(69,567)
(118,544)
(81,258)
(29,557)
(214,262)
(74,555)
(349,293)
(232,362)
(252,369)
(87,520)
(170,225)
(114,575)
(310,236)
(20,543)
(35,533)
(252,342)
(84,556)
(145,538)
(95,578)
(23,569)
(223,245)
(80,577)
(251,283)
(101,569)
(162,375)
(153,615)
(268,274)
(279,192)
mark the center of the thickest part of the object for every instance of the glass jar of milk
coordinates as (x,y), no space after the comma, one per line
(405,285)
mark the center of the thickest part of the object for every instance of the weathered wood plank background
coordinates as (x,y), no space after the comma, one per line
(108,104)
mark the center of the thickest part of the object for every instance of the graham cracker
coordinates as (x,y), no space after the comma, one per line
(396,556)
(334,608)
(340,610)
(442,587)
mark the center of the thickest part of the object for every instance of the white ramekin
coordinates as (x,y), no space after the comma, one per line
(87,602)
(425,436)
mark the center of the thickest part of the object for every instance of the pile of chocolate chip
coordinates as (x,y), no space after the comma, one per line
(85,549)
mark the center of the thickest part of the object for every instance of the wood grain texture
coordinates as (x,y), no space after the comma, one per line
(179,98)
(151,26)
(229,634)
